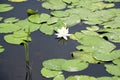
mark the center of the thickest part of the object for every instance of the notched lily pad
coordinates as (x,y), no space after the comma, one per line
(5,7)
(49,73)
(17,37)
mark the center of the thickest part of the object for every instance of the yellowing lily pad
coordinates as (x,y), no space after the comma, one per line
(17,0)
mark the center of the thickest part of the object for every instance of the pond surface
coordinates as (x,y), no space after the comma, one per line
(42,47)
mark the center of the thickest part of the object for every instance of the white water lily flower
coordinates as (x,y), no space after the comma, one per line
(63,33)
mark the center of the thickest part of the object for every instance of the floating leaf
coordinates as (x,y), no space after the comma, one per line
(17,37)
(11,20)
(74,65)
(113,69)
(108,78)
(5,7)
(1,18)
(71,20)
(47,29)
(92,43)
(1,49)
(112,34)
(54,4)
(116,61)
(26,25)
(49,73)
(17,0)
(60,14)
(54,64)
(83,77)
(71,1)
(84,56)
(59,77)
(52,20)
(108,56)
(8,28)
(93,28)
(39,18)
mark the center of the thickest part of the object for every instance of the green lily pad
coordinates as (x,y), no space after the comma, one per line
(71,1)
(26,25)
(8,28)
(11,20)
(59,77)
(5,7)
(1,49)
(39,18)
(74,65)
(49,73)
(113,69)
(83,77)
(54,4)
(60,14)
(108,56)
(52,20)
(47,29)
(84,56)
(108,78)
(54,64)
(17,37)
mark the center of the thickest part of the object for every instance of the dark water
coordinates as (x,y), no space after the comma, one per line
(42,47)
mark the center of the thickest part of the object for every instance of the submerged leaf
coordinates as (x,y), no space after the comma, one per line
(49,73)
(74,65)
(8,28)
(5,7)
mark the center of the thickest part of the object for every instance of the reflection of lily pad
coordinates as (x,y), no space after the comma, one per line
(5,7)
(54,4)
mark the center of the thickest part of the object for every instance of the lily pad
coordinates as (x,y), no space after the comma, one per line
(108,56)
(1,49)
(11,20)
(113,69)
(17,37)
(39,18)
(59,77)
(5,7)
(108,78)
(74,65)
(54,4)
(1,18)
(83,77)
(26,25)
(60,14)
(84,56)
(54,64)
(8,28)
(47,29)
(49,73)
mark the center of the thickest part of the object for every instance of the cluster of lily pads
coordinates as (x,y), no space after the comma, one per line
(96,42)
